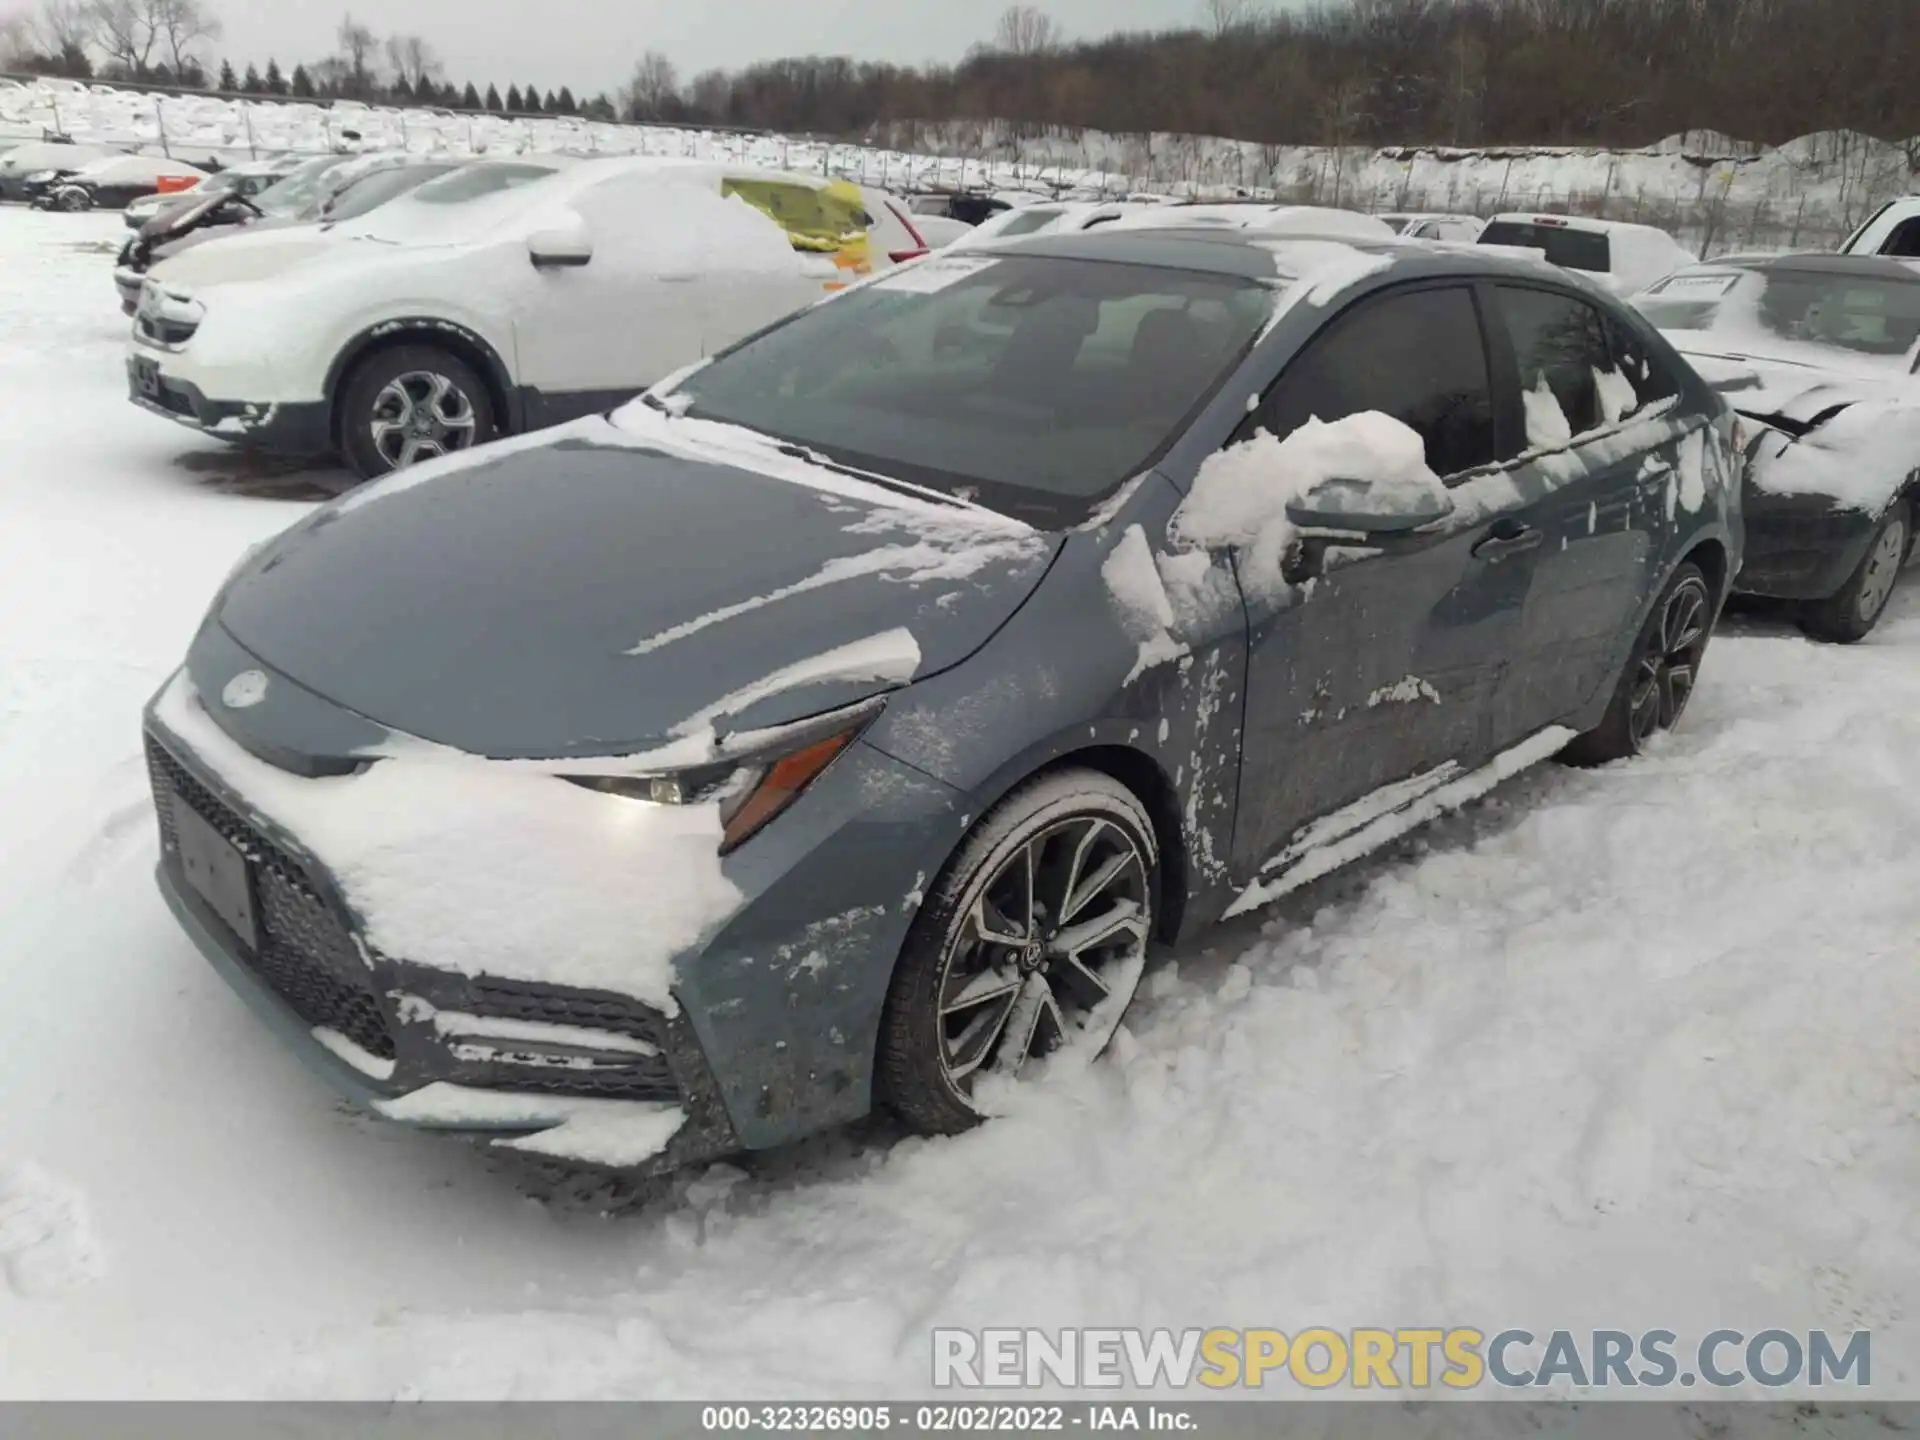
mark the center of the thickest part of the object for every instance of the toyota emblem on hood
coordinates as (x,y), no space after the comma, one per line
(247,688)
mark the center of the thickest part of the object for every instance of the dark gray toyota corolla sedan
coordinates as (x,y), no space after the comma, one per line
(839,724)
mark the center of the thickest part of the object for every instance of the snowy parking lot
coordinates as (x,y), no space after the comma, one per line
(1635,1048)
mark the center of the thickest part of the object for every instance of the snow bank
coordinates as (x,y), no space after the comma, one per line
(1240,495)
(479,867)
(47,1244)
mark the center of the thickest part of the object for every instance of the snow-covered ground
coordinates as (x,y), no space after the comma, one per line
(1636,1048)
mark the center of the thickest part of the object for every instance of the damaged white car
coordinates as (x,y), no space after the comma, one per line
(1821,349)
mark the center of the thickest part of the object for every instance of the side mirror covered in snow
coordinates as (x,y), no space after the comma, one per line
(560,247)
(1386,506)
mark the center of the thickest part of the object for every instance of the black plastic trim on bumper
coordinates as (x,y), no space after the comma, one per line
(297,430)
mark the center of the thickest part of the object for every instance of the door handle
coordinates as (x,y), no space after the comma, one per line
(1509,537)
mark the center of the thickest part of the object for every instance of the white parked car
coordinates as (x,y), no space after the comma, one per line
(1434,225)
(1616,254)
(476,306)
(1893,231)
(1280,219)
(1051,217)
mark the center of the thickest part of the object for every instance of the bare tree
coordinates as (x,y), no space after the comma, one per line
(1025,30)
(183,27)
(128,32)
(16,42)
(653,89)
(63,27)
(1226,16)
(413,59)
(357,45)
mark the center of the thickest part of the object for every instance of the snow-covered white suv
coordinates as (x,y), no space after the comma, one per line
(497,299)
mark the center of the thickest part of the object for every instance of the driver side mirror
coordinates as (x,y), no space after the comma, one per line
(1376,507)
(1380,511)
(561,248)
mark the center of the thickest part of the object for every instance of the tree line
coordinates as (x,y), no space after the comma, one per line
(165,42)
(1340,72)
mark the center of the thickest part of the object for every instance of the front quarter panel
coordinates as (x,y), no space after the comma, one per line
(1073,672)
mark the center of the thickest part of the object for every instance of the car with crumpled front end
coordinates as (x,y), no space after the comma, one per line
(1822,352)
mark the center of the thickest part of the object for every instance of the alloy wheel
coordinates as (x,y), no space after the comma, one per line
(1670,661)
(420,415)
(1054,941)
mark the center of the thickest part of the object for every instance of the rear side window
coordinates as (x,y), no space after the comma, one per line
(1653,378)
(1561,347)
(1418,357)
(473,181)
(1570,249)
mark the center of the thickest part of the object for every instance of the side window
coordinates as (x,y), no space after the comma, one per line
(1561,346)
(1904,242)
(1418,357)
(1649,374)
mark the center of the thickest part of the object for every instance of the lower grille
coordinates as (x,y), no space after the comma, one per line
(612,1075)
(305,952)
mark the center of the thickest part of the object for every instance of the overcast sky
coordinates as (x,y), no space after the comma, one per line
(591,44)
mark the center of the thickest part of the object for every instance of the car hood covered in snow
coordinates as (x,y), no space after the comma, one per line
(585,593)
(255,252)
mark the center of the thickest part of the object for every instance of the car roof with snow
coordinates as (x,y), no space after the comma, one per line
(1257,255)
(1818,262)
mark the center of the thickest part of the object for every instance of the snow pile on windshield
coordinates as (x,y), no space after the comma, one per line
(1861,458)
(1240,495)
(482,867)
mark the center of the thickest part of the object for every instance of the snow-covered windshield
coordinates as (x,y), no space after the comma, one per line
(473,201)
(1033,385)
(370,192)
(300,191)
(1864,314)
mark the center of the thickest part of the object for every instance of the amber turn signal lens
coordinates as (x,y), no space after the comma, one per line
(779,788)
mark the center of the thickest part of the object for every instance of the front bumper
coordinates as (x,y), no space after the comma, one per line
(316,985)
(297,429)
(1800,547)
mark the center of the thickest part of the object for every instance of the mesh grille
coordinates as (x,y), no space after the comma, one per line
(305,953)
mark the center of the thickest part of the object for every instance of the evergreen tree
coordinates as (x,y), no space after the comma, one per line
(275,83)
(402,93)
(469,98)
(302,86)
(514,104)
(493,98)
(228,81)
(250,84)
(531,95)
(566,104)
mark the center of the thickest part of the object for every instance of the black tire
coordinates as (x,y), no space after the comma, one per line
(418,370)
(1082,820)
(1851,612)
(1660,675)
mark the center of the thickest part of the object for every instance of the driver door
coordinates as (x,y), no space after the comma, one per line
(1373,681)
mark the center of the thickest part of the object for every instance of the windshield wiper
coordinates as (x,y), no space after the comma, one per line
(902,487)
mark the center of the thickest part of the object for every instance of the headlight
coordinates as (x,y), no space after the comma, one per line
(751,790)
(40,177)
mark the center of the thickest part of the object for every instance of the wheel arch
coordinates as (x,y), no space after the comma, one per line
(1141,774)
(458,340)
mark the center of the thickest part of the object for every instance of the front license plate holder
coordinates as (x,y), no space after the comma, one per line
(216,871)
